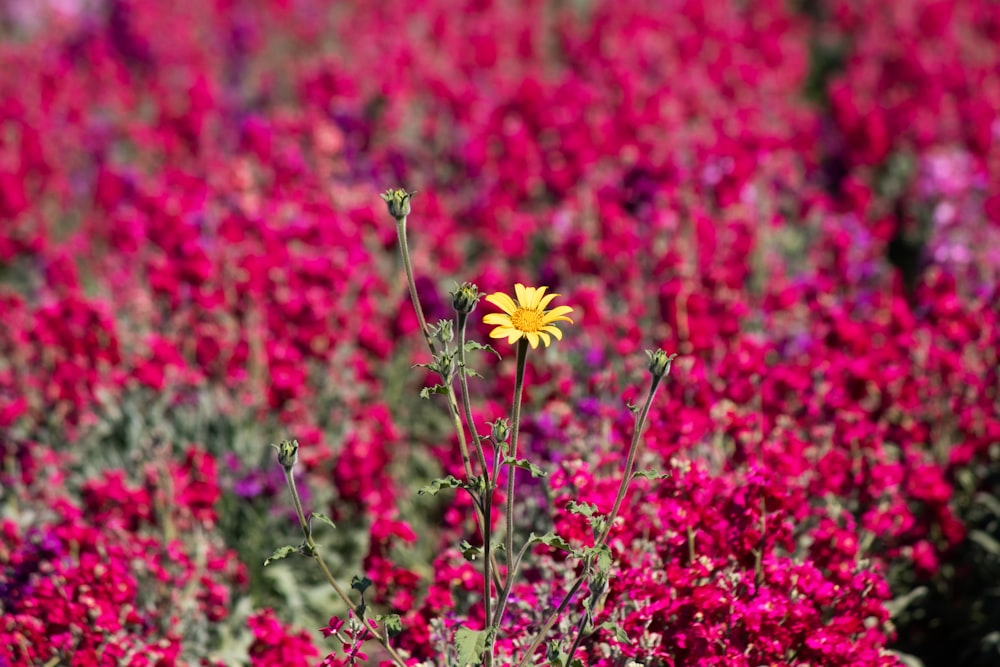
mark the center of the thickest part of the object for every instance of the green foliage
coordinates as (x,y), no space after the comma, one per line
(437,485)
(470,645)
(281,553)
(525,464)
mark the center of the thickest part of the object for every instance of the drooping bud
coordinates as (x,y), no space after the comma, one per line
(464,298)
(659,362)
(398,202)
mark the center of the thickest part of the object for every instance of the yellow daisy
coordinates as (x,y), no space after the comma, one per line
(526,316)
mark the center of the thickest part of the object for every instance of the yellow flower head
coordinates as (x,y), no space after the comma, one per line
(526,316)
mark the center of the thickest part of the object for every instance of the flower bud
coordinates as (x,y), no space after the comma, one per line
(288,453)
(443,332)
(465,298)
(501,431)
(398,202)
(659,362)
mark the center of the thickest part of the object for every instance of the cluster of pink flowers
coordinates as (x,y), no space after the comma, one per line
(193,256)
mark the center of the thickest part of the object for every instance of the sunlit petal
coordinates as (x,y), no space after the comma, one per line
(503,302)
(500,332)
(532,338)
(498,318)
(522,294)
(546,300)
(552,330)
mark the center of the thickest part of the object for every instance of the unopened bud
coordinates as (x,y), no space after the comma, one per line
(659,362)
(288,453)
(501,431)
(443,332)
(465,298)
(398,202)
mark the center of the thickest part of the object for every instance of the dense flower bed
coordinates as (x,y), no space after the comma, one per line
(802,201)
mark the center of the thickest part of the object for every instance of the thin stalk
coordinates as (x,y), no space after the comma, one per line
(483,505)
(487,500)
(381,637)
(404,250)
(522,357)
(640,423)
(466,400)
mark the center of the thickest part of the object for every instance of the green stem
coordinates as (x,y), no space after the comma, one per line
(522,356)
(640,424)
(462,320)
(487,511)
(404,250)
(381,637)
(633,449)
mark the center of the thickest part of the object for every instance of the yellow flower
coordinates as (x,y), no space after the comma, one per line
(527,316)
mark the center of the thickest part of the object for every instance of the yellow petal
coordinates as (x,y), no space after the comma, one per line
(532,338)
(545,301)
(545,338)
(500,332)
(552,330)
(498,318)
(529,294)
(522,295)
(503,302)
(557,315)
(515,336)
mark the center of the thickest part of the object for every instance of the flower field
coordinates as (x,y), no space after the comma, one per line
(386,295)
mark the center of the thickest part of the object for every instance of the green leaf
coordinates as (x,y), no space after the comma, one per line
(617,630)
(601,555)
(986,541)
(472,373)
(436,389)
(583,509)
(634,409)
(436,485)
(319,516)
(470,645)
(525,464)
(360,584)
(391,622)
(470,552)
(279,553)
(651,474)
(471,345)
(554,541)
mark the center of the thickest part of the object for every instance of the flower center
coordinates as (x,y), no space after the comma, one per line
(526,320)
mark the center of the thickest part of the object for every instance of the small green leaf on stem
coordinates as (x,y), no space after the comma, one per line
(436,485)
(583,509)
(651,474)
(281,552)
(391,622)
(554,541)
(471,345)
(601,557)
(525,464)
(436,389)
(470,552)
(617,630)
(319,516)
(360,584)
(470,645)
